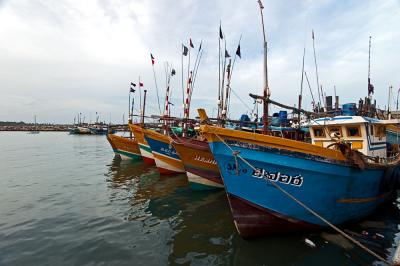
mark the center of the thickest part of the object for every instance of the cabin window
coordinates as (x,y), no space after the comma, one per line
(353,132)
(319,132)
(335,132)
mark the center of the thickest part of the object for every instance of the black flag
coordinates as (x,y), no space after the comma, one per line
(173,72)
(370,87)
(132,90)
(133,84)
(226,54)
(191,43)
(221,36)
(238,51)
(185,50)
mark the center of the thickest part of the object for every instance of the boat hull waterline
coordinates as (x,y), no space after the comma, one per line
(201,168)
(165,156)
(144,147)
(126,148)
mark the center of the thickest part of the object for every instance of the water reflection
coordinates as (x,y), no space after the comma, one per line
(194,227)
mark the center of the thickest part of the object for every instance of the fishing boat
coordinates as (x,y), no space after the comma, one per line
(201,168)
(166,158)
(279,185)
(100,129)
(125,147)
(144,147)
(79,130)
(343,175)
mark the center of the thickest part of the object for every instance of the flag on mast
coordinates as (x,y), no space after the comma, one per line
(191,43)
(152,59)
(132,90)
(141,84)
(133,84)
(221,36)
(185,50)
(238,51)
(227,54)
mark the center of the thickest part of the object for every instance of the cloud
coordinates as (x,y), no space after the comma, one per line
(60,58)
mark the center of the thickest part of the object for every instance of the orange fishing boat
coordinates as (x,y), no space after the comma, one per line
(125,147)
(201,168)
(165,156)
(144,147)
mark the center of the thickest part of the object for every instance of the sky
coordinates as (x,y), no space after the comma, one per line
(60,58)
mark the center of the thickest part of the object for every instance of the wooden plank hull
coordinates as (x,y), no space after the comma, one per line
(201,168)
(144,147)
(126,148)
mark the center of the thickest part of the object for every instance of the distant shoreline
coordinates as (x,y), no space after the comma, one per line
(32,128)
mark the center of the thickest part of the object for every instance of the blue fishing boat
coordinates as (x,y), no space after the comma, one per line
(343,175)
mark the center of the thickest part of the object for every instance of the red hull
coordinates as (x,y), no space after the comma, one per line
(254,221)
(148,161)
(164,171)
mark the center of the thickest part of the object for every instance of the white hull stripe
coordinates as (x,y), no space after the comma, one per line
(165,156)
(201,180)
(163,165)
(146,153)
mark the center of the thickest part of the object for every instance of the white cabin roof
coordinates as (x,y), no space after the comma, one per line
(344,120)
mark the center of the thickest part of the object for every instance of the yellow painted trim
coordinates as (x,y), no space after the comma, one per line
(269,141)
(393,128)
(155,135)
(362,200)
(137,131)
(356,145)
(319,143)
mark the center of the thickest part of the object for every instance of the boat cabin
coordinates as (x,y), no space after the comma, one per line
(367,135)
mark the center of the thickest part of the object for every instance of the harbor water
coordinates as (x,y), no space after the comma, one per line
(65,200)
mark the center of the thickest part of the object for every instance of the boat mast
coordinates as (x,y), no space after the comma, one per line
(219,70)
(316,72)
(301,85)
(144,106)
(267,93)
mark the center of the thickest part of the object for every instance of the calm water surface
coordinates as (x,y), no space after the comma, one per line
(65,200)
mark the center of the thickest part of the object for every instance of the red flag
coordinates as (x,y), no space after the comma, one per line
(152,58)
(141,84)
(191,43)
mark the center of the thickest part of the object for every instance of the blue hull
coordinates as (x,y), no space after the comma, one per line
(338,192)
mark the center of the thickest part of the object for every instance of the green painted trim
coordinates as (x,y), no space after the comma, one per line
(133,156)
(144,147)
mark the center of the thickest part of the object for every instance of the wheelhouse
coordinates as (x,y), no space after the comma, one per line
(367,135)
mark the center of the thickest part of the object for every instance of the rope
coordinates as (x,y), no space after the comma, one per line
(236,154)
